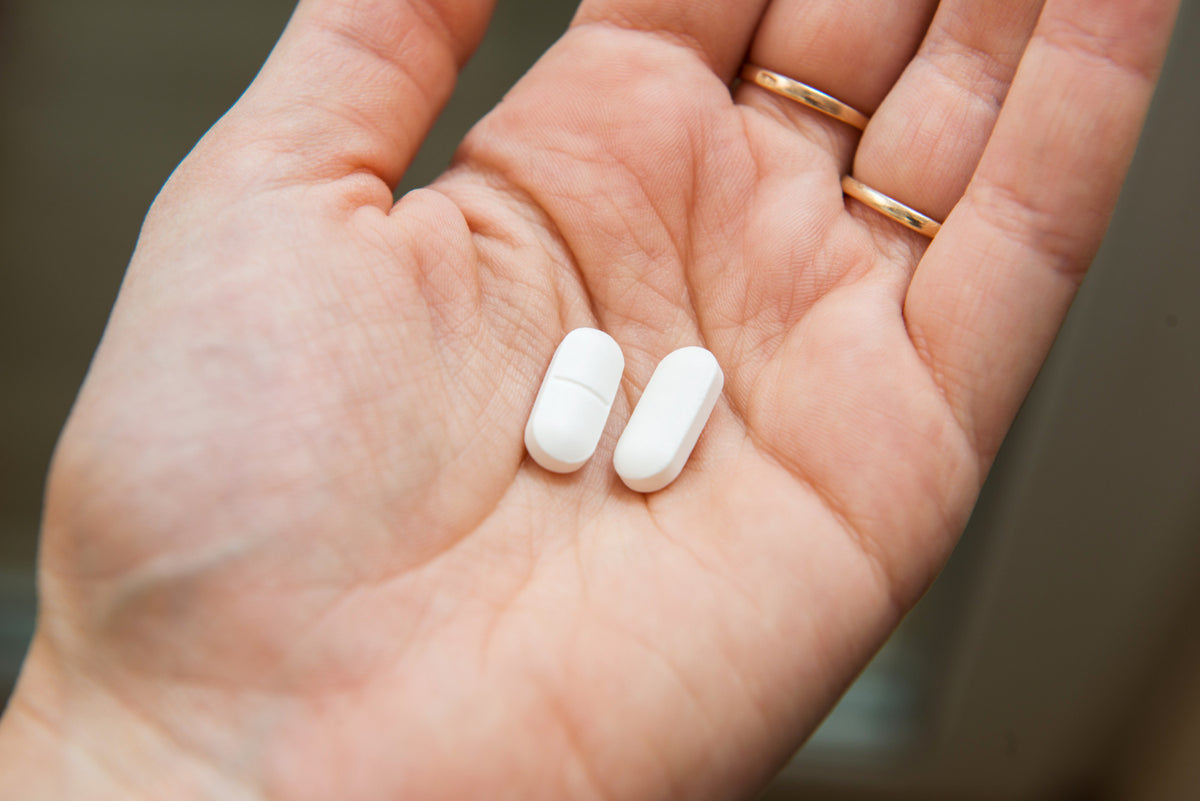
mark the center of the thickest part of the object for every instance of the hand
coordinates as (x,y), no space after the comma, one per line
(293,548)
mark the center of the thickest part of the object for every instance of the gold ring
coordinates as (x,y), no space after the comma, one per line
(909,218)
(801,93)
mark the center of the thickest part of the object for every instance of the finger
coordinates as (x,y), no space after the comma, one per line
(987,299)
(853,50)
(355,85)
(717,31)
(924,143)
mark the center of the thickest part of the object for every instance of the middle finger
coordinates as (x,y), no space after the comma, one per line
(853,50)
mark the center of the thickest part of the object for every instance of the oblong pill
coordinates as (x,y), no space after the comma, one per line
(572,405)
(668,419)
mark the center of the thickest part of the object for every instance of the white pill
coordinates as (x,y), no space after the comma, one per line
(572,405)
(668,419)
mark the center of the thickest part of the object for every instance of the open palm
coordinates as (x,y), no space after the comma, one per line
(294,548)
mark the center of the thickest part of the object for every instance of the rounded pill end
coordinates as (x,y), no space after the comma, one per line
(555,449)
(644,468)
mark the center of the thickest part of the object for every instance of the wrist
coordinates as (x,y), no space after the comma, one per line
(67,739)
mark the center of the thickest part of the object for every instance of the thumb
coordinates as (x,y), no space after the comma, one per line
(355,85)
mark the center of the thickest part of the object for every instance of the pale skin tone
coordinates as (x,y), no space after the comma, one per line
(293,547)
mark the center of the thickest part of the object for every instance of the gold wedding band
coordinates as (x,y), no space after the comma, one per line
(802,93)
(908,217)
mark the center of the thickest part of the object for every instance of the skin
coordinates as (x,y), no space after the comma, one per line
(293,548)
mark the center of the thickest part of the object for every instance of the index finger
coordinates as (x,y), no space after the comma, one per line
(718,31)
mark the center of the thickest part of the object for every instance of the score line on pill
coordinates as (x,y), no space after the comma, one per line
(668,419)
(574,400)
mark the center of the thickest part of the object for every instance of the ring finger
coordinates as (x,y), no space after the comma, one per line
(922,145)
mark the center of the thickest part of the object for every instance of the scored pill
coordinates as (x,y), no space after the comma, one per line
(573,402)
(668,419)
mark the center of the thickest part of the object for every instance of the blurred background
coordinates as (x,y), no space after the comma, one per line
(1058,656)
